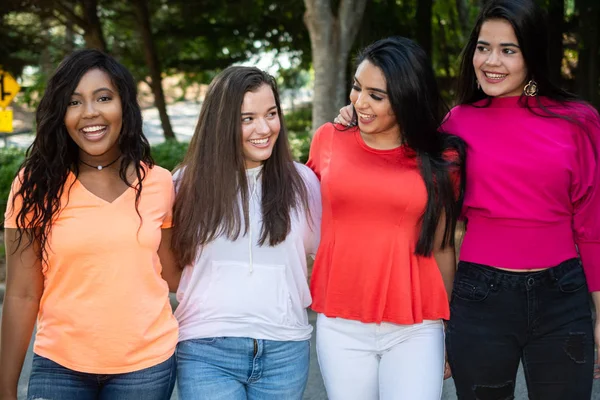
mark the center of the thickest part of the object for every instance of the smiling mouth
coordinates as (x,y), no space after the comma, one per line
(94,131)
(491,75)
(366,117)
(259,141)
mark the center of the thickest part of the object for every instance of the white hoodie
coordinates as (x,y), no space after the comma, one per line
(240,289)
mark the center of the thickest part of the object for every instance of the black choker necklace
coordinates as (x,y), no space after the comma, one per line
(99,167)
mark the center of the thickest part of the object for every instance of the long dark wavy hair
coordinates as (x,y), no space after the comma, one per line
(419,109)
(213,173)
(531,29)
(53,154)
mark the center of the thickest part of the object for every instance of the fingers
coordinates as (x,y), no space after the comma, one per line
(342,121)
(346,116)
(447,371)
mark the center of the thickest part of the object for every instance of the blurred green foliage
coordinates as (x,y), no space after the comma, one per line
(10,161)
(298,124)
(169,153)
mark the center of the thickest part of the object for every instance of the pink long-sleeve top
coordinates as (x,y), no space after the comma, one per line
(533,184)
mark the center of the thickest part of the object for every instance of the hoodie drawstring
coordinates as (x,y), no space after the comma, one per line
(252,193)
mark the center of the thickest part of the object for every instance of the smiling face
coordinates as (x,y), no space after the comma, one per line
(260,125)
(94,118)
(498,61)
(372,103)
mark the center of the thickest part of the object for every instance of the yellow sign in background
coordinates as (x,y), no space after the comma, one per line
(8,88)
(6,121)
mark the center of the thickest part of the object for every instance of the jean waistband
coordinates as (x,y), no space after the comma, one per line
(495,275)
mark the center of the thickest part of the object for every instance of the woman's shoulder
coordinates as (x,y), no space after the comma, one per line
(454,121)
(158,174)
(580,115)
(458,112)
(329,129)
(306,173)
(584,112)
(326,127)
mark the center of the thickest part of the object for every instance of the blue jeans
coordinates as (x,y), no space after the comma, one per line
(231,368)
(52,381)
(543,319)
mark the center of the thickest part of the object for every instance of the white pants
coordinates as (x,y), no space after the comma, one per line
(380,361)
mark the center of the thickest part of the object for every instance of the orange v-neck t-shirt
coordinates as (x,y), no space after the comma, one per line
(105,308)
(366,268)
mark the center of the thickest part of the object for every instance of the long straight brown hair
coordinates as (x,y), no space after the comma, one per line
(213,173)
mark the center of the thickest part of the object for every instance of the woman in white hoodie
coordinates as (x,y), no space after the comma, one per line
(246,216)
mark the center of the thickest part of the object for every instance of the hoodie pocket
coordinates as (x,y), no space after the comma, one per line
(236,293)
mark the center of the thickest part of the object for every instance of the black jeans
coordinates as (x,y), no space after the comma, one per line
(498,318)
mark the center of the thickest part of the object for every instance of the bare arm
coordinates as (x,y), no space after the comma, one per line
(596,299)
(24,287)
(446,261)
(171,272)
(445,257)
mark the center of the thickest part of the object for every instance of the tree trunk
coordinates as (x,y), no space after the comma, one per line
(143,18)
(69,37)
(424,25)
(93,35)
(47,65)
(463,18)
(587,79)
(331,38)
(443,41)
(556,16)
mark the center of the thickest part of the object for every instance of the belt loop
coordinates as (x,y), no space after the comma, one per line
(552,273)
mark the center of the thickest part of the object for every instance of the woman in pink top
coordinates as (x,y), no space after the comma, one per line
(532,215)
(87,237)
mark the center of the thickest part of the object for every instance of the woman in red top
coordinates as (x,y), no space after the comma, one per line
(386,261)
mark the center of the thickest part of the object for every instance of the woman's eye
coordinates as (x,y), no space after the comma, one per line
(73,103)
(509,51)
(354,87)
(272,114)
(105,98)
(375,97)
(246,119)
(481,48)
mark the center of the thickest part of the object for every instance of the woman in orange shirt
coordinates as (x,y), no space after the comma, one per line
(87,237)
(385,265)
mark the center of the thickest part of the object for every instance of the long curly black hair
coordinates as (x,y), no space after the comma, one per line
(53,154)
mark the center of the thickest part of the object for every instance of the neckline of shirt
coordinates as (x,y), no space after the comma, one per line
(514,102)
(254,171)
(361,142)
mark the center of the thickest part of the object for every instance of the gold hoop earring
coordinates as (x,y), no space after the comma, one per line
(531,89)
